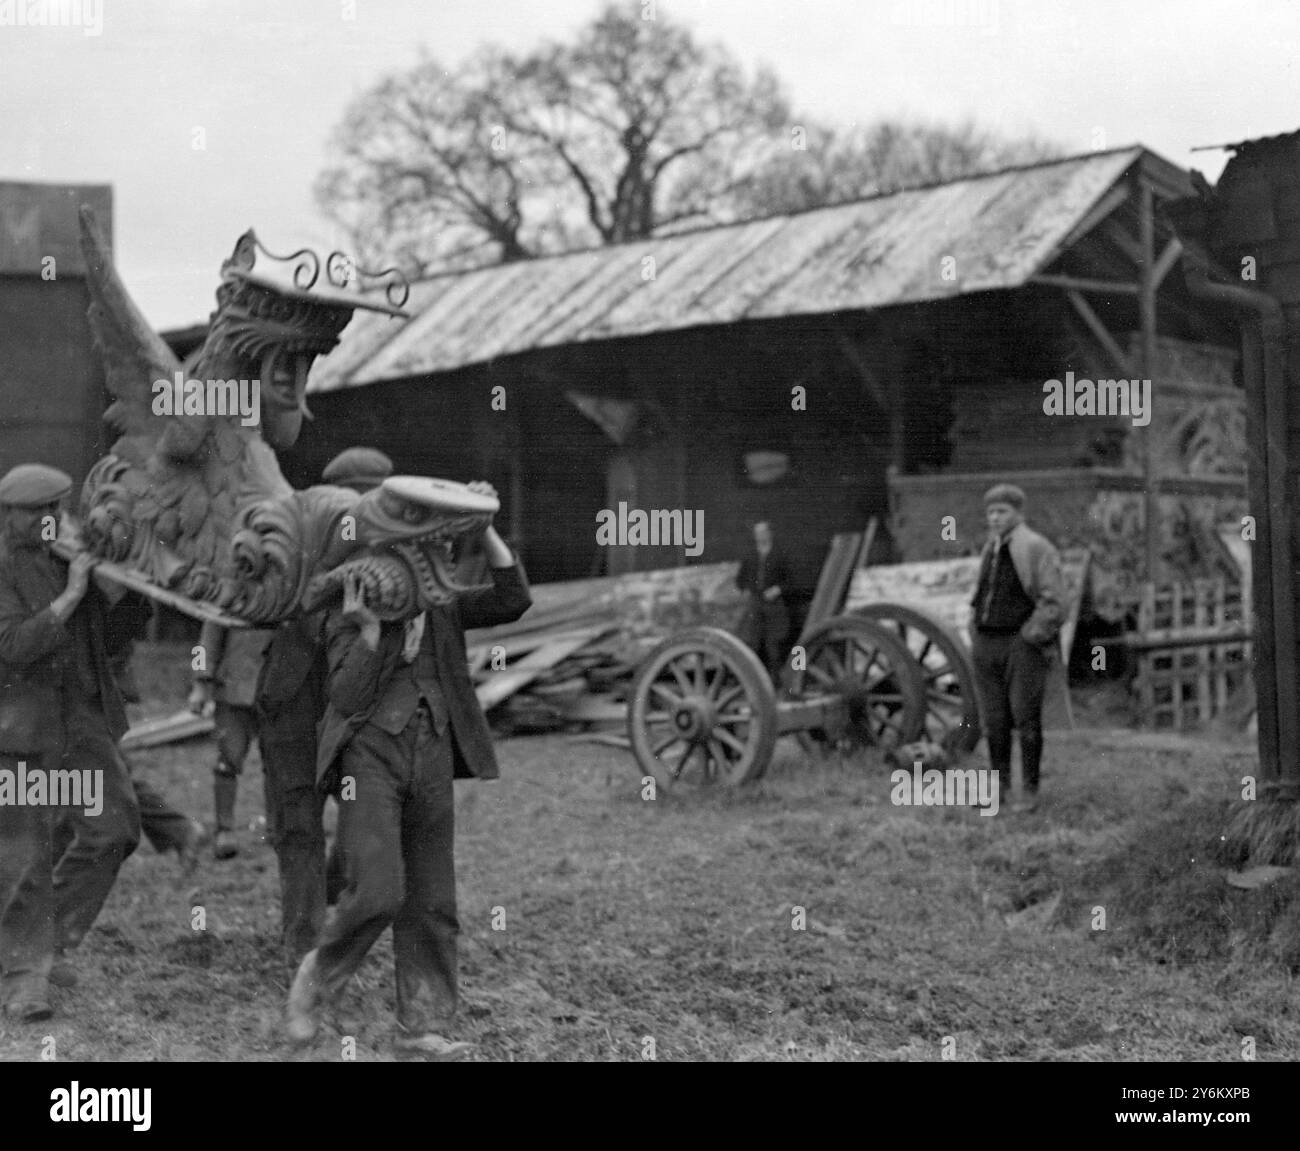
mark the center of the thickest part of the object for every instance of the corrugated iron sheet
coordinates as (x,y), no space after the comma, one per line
(1000,229)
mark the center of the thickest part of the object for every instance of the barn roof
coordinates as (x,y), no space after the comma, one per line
(1000,230)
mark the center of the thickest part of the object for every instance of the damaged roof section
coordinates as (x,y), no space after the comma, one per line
(979,234)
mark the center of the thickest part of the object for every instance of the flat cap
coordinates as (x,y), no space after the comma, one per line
(1005,494)
(33,486)
(356,467)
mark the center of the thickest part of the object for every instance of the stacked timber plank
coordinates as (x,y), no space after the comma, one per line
(569,661)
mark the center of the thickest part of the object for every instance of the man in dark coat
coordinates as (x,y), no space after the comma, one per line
(290,703)
(402,722)
(60,712)
(765,575)
(1019,605)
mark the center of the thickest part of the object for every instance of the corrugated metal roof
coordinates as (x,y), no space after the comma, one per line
(1000,229)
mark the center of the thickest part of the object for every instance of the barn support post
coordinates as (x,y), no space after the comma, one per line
(1276,681)
(1147,319)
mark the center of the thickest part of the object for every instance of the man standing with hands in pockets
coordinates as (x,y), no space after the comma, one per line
(1019,606)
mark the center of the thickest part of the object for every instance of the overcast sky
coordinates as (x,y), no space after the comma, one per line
(266,80)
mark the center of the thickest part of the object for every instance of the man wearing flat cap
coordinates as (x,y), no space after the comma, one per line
(290,695)
(60,710)
(1018,611)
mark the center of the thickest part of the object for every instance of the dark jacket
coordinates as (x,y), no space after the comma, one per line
(776,573)
(235,658)
(358,676)
(1038,565)
(291,685)
(37,651)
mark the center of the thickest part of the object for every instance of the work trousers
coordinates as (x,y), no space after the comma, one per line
(236,728)
(48,904)
(765,629)
(398,841)
(294,813)
(1011,677)
(162,825)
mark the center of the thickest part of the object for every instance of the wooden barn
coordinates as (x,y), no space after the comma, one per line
(52,395)
(885,358)
(1249,225)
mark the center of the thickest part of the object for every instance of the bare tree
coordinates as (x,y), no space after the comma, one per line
(420,173)
(631,129)
(650,128)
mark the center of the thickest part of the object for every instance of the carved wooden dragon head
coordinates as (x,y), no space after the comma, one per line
(191,497)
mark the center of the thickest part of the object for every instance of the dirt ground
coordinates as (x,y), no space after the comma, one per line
(597,925)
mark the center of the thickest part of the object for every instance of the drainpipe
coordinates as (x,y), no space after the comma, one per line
(1279,730)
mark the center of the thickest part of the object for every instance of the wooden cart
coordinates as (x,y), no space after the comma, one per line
(703,709)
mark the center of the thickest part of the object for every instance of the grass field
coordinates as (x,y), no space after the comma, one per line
(666,929)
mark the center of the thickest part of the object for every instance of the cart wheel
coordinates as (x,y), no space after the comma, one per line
(952,713)
(702,711)
(873,672)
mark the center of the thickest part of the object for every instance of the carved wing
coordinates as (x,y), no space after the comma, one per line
(163,501)
(134,354)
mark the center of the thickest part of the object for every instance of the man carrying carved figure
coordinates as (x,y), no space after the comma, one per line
(60,711)
(290,704)
(402,722)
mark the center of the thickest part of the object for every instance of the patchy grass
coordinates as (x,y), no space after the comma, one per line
(672,921)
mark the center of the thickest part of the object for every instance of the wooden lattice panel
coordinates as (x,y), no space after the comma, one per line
(1186,685)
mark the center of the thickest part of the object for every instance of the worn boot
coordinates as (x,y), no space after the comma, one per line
(225,788)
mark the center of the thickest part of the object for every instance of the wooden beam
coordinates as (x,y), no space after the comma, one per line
(1168,258)
(1083,285)
(1123,241)
(868,378)
(1103,208)
(1104,337)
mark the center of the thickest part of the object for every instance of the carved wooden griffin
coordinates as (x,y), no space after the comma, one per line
(190,500)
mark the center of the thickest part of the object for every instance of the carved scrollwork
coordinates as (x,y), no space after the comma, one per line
(342,271)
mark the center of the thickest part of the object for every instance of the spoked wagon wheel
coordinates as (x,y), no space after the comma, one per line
(872,673)
(702,711)
(952,714)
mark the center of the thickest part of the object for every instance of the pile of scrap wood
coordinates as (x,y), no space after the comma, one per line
(568,663)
